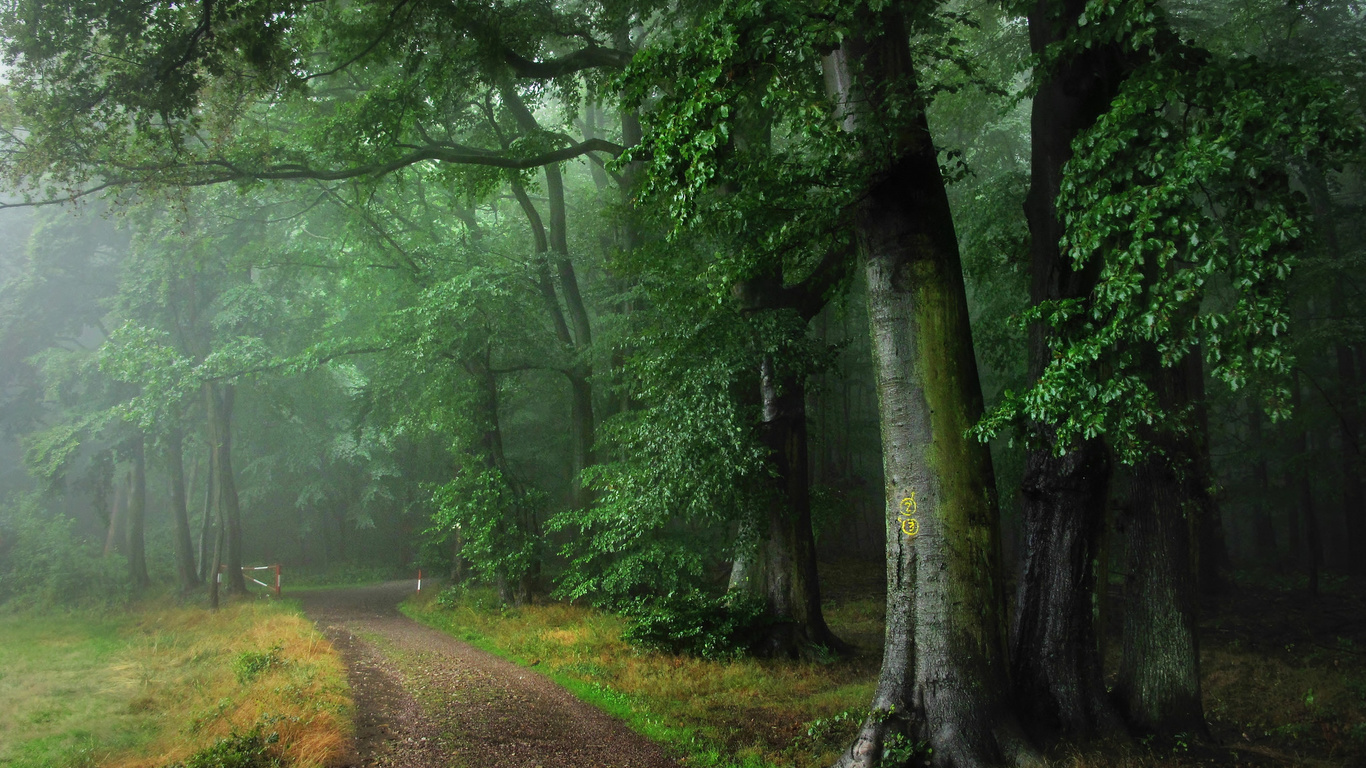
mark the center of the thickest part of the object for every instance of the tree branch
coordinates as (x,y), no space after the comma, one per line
(222,171)
(584,58)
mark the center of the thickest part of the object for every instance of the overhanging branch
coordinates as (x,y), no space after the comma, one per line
(584,58)
(210,172)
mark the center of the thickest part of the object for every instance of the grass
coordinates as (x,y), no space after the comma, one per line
(162,682)
(746,712)
(1284,679)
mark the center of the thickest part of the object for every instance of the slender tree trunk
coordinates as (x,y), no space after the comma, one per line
(944,672)
(582,427)
(206,522)
(1213,566)
(184,554)
(1055,652)
(1265,538)
(219,400)
(137,515)
(582,424)
(1305,486)
(112,538)
(513,588)
(1348,405)
(1349,430)
(215,578)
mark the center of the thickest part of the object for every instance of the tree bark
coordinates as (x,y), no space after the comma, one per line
(1213,567)
(206,523)
(944,674)
(112,539)
(1305,487)
(215,578)
(186,575)
(513,588)
(1056,664)
(1159,675)
(1265,535)
(137,515)
(219,400)
(780,570)
(1055,652)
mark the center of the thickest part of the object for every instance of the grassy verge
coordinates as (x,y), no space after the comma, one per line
(162,682)
(745,712)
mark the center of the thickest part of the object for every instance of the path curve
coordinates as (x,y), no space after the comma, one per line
(427,700)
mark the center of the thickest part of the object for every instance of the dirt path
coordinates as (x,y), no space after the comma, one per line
(427,700)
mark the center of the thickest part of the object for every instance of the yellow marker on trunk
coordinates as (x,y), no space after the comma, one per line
(909,525)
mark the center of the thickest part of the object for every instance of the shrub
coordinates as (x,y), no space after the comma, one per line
(253,749)
(698,625)
(249,664)
(44,563)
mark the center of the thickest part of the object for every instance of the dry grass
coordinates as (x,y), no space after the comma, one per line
(747,712)
(162,682)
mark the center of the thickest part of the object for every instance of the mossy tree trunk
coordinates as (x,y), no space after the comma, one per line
(944,675)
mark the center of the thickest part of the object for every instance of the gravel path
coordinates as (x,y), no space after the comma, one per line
(427,700)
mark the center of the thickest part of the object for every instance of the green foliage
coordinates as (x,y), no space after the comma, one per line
(493,520)
(248,665)
(44,563)
(683,465)
(697,625)
(1183,194)
(253,748)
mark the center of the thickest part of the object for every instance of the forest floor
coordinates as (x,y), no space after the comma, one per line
(1284,681)
(427,700)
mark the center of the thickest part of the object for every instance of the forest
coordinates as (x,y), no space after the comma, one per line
(1000,364)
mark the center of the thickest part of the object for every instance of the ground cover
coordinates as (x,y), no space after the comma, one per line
(1284,678)
(744,712)
(160,682)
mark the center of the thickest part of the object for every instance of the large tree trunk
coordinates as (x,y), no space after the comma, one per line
(1055,656)
(219,401)
(137,516)
(1159,675)
(184,553)
(944,673)
(1055,652)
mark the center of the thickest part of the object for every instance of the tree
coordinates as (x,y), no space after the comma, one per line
(1055,657)
(1176,212)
